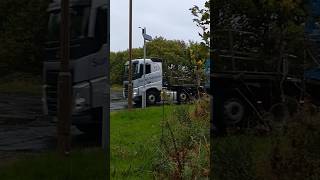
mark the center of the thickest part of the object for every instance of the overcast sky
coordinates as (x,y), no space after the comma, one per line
(170,19)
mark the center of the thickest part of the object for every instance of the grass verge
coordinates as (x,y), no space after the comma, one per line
(289,152)
(135,137)
(81,165)
(21,83)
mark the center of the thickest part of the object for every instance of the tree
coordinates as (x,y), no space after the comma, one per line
(117,61)
(23,25)
(174,53)
(202,20)
(199,53)
(274,27)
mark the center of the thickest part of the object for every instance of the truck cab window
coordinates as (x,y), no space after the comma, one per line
(148,68)
(79,19)
(141,70)
(101,25)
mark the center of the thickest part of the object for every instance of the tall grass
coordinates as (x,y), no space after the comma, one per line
(185,144)
(289,152)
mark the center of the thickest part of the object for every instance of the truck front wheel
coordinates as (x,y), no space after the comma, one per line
(152,97)
(92,125)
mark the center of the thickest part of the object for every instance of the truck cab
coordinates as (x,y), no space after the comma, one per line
(153,80)
(89,47)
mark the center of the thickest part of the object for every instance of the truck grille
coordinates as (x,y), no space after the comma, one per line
(51,91)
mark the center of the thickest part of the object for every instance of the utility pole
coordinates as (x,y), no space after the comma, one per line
(145,38)
(64,84)
(130,58)
(144,104)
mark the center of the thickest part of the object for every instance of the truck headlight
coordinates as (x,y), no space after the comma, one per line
(81,101)
(135,93)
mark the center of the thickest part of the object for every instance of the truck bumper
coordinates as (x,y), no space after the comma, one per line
(83,118)
(76,119)
(137,99)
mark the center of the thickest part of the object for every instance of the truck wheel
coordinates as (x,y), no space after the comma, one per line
(182,97)
(234,111)
(94,127)
(152,97)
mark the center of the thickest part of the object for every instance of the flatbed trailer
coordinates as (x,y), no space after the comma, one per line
(240,97)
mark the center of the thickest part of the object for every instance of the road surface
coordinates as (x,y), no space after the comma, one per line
(22,128)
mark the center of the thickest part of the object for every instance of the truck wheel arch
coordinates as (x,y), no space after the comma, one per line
(156,92)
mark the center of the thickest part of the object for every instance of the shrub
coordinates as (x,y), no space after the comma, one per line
(232,159)
(185,150)
(295,151)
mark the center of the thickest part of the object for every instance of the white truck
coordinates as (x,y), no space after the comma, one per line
(89,52)
(159,77)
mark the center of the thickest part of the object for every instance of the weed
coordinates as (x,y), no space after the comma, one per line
(185,150)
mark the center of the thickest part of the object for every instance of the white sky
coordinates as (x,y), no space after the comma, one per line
(170,19)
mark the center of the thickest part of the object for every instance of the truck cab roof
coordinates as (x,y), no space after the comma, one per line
(55,4)
(147,60)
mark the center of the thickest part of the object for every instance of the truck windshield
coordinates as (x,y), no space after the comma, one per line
(135,71)
(78,23)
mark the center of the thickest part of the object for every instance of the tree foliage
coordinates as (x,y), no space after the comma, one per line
(22,29)
(276,27)
(202,20)
(174,52)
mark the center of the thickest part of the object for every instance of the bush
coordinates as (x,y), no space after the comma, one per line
(185,147)
(232,159)
(23,26)
(289,152)
(295,153)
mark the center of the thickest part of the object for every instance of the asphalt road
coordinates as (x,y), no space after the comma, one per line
(22,128)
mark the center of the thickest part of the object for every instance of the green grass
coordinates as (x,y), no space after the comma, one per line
(20,83)
(116,87)
(134,139)
(81,165)
(135,136)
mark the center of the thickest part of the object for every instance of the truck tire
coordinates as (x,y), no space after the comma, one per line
(95,125)
(183,97)
(152,97)
(234,111)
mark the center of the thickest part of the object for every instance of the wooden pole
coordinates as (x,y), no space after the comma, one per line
(64,84)
(130,88)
